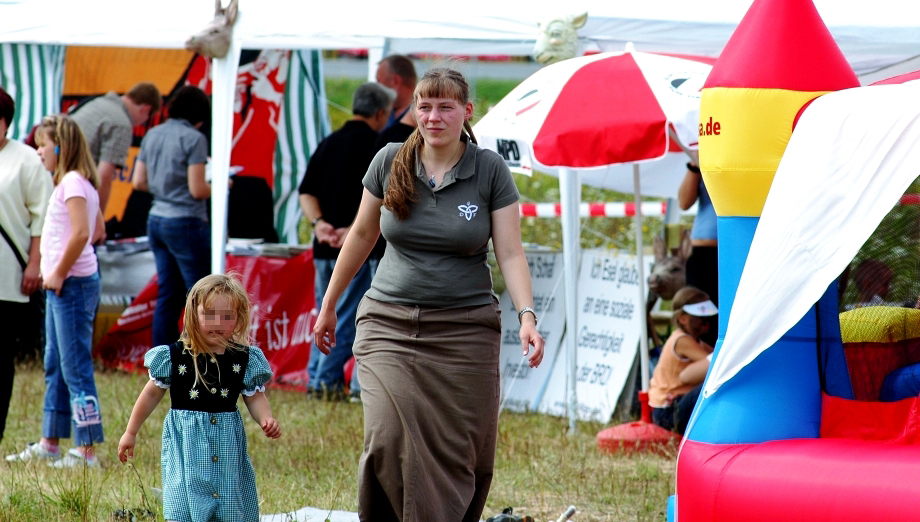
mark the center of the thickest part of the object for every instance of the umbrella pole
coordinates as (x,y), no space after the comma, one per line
(641,435)
(640,268)
(570,196)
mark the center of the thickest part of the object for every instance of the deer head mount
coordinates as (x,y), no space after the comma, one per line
(558,39)
(214,40)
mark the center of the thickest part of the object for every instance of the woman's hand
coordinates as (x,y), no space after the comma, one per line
(324,329)
(31,279)
(126,446)
(271,428)
(531,337)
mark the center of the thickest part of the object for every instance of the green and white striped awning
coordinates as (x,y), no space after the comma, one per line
(33,75)
(304,122)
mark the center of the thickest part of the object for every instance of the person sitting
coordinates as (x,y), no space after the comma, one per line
(873,283)
(692,308)
(694,375)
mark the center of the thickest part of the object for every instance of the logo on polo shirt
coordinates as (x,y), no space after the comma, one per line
(468,211)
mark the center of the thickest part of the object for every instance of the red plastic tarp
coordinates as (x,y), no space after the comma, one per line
(281,290)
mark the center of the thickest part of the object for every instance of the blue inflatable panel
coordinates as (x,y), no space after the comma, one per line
(778,395)
(735,235)
(836,375)
(671,505)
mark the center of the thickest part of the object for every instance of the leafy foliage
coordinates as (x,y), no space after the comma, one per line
(894,243)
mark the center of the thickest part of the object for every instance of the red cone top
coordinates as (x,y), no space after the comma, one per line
(782,44)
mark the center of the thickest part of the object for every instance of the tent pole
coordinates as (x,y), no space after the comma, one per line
(223,76)
(374,55)
(570,198)
(640,269)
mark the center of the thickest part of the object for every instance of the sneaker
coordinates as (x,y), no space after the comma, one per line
(354,397)
(74,459)
(33,451)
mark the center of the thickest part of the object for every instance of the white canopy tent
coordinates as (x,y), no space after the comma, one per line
(872,37)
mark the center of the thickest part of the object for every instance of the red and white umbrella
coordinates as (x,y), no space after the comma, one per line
(600,114)
(598,118)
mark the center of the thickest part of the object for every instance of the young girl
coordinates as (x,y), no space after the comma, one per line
(692,309)
(69,269)
(206,470)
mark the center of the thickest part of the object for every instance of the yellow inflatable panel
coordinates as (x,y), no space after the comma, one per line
(879,324)
(743,135)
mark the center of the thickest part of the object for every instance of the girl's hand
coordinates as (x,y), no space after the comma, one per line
(271,428)
(54,282)
(126,447)
(324,329)
(531,337)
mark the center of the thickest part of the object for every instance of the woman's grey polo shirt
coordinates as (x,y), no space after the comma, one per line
(167,150)
(437,256)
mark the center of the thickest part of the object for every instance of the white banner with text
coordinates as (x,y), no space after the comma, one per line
(606,339)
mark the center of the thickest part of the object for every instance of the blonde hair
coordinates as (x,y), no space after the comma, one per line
(203,294)
(73,151)
(440,82)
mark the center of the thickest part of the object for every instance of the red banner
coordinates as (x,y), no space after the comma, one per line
(260,85)
(281,291)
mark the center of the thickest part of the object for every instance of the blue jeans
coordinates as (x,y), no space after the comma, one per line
(70,388)
(326,371)
(182,251)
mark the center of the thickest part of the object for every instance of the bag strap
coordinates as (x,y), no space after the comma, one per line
(22,261)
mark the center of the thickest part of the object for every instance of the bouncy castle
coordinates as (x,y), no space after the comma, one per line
(802,165)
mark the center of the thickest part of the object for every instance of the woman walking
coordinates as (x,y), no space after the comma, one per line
(428,330)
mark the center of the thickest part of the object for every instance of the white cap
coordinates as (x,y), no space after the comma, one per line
(705,309)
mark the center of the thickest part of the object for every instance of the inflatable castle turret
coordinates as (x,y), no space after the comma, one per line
(754,450)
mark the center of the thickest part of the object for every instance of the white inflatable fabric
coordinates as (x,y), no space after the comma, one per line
(851,157)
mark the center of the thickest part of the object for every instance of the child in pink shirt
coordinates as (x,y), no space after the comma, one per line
(71,281)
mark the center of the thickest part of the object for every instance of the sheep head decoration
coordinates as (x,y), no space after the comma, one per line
(214,40)
(558,39)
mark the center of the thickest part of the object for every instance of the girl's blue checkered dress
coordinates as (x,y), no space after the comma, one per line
(207,475)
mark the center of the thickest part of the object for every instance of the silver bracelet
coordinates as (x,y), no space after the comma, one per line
(527,310)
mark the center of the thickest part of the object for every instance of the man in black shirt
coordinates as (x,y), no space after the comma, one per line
(330,194)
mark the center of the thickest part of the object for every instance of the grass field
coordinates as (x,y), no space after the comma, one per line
(540,469)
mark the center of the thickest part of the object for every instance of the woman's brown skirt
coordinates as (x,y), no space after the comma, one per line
(430,388)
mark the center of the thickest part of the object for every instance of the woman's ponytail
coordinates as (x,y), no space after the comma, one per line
(400,193)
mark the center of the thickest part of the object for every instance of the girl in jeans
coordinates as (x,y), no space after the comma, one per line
(70,277)
(170,166)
